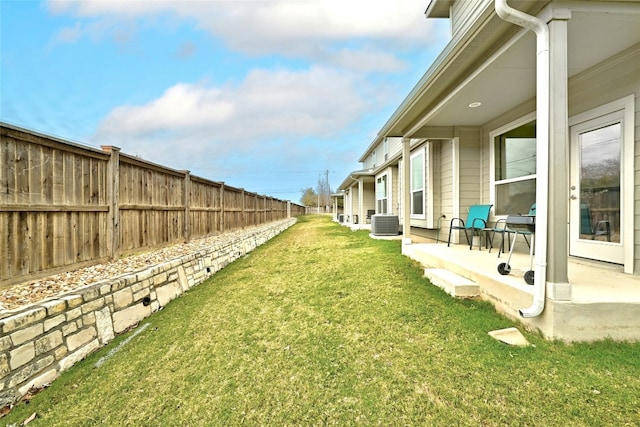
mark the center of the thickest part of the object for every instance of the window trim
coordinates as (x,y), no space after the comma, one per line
(416,153)
(492,158)
(384,175)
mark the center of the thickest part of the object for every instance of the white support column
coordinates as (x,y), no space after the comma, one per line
(557,243)
(406,191)
(360,200)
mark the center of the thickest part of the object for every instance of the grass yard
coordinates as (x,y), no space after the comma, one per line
(325,326)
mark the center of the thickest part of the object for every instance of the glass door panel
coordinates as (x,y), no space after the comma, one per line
(595,206)
(600,183)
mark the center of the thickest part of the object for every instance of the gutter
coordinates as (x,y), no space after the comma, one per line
(541,30)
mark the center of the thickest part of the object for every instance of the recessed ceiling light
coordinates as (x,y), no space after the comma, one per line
(475,104)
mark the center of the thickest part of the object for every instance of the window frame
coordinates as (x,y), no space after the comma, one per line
(414,154)
(379,200)
(494,182)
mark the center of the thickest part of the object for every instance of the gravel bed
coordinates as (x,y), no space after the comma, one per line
(28,293)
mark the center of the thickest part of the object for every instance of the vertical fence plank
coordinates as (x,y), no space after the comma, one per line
(242,215)
(13,242)
(22,173)
(58,238)
(222,208)
(57,177)
(186,197)
(47,176)
(5,169)
(34,174)
(113,202)
(68,238)
(5,260)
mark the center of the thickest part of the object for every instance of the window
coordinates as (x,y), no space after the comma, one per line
(373,159)
(515,170)
(381,195)
(417,184)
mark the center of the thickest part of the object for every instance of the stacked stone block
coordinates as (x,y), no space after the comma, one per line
(38,343)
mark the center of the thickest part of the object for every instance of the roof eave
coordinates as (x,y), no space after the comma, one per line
(439,9)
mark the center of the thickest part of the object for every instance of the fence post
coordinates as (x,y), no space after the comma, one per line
(113,200)
(186,198)
(266,214)
(222,213)
(242,217)
(288,209)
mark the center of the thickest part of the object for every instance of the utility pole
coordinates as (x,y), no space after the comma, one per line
(327,187)
(324,189)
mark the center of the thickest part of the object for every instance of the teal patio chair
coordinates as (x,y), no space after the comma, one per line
(476,220)
(602,228)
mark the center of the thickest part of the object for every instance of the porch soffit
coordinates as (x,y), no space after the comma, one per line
(464,53)
(497,67)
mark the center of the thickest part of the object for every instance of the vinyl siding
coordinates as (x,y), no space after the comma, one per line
(465,12)
(470,165)
(446,180)
(395,190)
(395,147)
(368,200)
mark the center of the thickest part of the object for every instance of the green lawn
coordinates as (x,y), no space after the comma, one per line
(325,326)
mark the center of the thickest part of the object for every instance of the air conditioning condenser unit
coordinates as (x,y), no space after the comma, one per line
(385,225)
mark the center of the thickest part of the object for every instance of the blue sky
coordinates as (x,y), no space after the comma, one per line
(263,95)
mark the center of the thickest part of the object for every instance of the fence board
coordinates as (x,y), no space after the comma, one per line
(47,175)
(4,182)
(34,174)
(5,244)
(69,253)
(57,178)
(22,173)
(7,171)
(58,238)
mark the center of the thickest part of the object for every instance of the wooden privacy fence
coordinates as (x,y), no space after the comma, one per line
(64,206)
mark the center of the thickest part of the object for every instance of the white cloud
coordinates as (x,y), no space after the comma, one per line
(308,29)
(181,107)
(258,134)
(267,104)
(366,59)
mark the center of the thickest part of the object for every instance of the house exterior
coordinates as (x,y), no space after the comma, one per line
(530,102)
(375,189)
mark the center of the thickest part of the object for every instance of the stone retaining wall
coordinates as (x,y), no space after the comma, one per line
(39,342)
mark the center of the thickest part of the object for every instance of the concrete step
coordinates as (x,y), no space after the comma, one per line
(452,283)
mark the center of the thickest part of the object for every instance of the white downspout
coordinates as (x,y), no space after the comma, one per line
(534,24)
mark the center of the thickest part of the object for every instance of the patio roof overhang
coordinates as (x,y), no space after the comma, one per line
(365,175)
(494,64)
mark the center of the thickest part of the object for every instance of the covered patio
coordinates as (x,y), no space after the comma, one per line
(600,302)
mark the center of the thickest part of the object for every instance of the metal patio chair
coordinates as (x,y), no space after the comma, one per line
(476,220)
(505,229)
